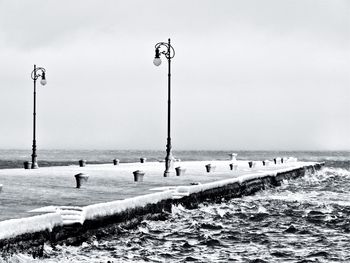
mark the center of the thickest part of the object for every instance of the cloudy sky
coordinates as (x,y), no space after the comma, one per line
(247,75)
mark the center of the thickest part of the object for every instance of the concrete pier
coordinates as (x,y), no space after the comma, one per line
(65,214)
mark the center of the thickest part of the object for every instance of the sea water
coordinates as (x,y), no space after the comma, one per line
(304,220)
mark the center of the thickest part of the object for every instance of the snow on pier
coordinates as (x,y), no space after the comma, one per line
(45,198)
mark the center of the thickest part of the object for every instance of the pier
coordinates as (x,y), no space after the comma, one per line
(45,205)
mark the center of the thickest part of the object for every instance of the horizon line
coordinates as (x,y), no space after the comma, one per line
(178,150)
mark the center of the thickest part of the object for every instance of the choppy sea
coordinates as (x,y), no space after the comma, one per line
(304,220)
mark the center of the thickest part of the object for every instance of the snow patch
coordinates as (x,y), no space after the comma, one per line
(163,188)
(15,227)
(115,207)
(71,214)
(45,209)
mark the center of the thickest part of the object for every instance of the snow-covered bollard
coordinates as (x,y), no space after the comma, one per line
(180,171)
(233,166)
(233,157)
(210,168)
(82,163)
(277,160)
(284,159)
(250,163)
(266,163)
(143,160)
(27,165)
(116,161)
(138,176)
(80,178)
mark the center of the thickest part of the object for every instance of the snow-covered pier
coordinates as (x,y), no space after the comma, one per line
(44,205)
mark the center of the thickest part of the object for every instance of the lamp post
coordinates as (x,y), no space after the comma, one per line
(169,53)
(36,73)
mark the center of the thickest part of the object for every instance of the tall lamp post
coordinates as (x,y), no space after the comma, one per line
(168,51)
(36,73)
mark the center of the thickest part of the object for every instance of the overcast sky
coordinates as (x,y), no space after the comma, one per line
(247,75)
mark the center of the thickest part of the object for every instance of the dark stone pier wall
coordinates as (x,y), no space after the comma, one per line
(248,187)
(33,243)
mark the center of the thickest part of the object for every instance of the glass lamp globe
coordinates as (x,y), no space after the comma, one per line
(157,61)
(43,82)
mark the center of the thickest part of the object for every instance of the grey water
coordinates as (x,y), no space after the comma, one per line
(304,220)
(15,158)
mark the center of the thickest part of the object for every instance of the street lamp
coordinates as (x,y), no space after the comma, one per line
(36,73)
(169,53)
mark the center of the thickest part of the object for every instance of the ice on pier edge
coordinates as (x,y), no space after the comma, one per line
(15,227)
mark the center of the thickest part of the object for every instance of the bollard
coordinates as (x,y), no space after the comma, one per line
(233,166)
(284,159)
(210,168)
(138,176)
(143,160)
(264,163)
(277,160)
(233,156)
(80,178)
(250,164)
(82,163)
(180,171)
(116,161)
(27,165)
(0,188)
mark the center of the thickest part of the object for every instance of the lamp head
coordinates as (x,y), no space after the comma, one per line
(43,79)
(157,61)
